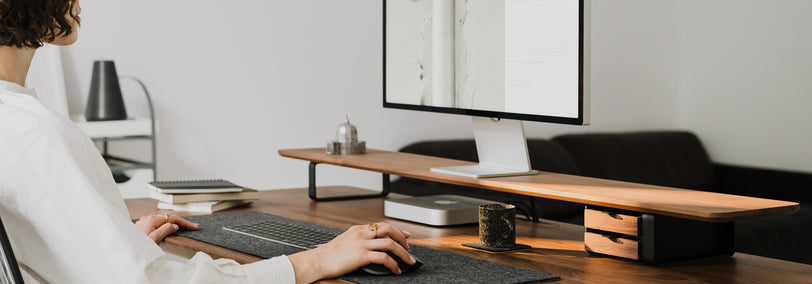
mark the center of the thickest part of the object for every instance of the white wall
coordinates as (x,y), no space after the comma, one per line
(235,81)
(746,80)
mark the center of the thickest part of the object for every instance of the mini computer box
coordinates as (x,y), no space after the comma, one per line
(435,210)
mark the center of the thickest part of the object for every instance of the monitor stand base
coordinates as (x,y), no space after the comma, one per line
(501,147)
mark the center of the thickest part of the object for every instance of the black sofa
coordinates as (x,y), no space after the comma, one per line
(666,158)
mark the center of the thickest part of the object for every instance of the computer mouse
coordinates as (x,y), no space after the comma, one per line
(380,269)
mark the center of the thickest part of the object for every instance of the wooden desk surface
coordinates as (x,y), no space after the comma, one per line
(675,202)
(558,248)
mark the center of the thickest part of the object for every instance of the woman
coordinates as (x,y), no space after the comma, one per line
(65,216)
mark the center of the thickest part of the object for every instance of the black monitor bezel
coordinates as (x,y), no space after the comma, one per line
(498,114)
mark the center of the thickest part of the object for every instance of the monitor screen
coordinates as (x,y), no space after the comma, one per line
(515,59)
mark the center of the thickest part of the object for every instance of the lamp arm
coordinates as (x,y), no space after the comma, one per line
(152,121)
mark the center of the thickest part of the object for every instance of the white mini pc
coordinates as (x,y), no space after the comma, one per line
(435,210)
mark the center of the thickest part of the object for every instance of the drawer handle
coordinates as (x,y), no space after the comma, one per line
(613,215)
(611,238)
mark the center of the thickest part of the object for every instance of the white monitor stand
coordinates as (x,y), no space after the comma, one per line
(502,150)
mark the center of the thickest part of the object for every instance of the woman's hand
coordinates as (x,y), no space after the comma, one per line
(157,227)
(358,246)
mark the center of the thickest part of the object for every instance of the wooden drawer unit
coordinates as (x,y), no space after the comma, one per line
(612,245)
(612,222)
(653,239)
(612,232)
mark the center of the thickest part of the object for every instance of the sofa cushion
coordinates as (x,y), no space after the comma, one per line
(549,156)
(666,158)
(453,149)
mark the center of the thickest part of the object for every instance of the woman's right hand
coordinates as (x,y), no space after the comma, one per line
(360,245)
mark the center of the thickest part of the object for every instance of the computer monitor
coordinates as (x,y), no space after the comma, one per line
(501,62)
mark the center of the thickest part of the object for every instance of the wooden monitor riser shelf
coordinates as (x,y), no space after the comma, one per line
(672,223)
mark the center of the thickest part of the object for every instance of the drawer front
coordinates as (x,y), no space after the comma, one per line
(611,222)
(620,247)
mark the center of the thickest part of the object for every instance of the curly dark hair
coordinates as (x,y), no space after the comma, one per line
(29,23)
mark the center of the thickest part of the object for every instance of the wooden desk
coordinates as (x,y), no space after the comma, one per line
(558,248)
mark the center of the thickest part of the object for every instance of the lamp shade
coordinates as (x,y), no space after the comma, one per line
(105,101)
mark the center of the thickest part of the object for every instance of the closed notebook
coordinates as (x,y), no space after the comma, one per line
(203,207)
(245,194)
(194,186)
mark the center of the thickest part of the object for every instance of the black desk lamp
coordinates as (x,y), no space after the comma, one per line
(105,101)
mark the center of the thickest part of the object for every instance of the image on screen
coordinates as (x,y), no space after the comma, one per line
(511,56)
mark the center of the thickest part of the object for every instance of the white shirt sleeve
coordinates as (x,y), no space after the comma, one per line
(203,269)
(65,216)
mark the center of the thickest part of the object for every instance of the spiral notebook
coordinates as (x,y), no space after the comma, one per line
(194,186)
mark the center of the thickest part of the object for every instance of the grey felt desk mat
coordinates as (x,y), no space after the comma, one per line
(439,266)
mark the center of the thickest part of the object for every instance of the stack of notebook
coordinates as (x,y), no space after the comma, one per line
(205,196)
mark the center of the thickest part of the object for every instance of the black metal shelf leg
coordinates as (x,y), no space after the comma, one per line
(311,188)
(533,213)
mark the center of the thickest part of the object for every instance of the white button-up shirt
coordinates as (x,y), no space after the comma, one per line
(65,216)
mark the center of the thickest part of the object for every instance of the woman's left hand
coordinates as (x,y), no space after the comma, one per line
(157,227)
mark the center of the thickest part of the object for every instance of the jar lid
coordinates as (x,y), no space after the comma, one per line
(346,132)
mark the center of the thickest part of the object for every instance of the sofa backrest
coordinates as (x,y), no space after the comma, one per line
(666,158)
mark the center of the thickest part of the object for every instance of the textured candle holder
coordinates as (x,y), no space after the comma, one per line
(346,142)
(497,228)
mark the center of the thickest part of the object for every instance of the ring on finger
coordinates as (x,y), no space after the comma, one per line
(166,217)
(374,227)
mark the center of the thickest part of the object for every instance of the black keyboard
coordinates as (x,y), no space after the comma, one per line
(284,233)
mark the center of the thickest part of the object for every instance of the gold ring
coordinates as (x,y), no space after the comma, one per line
(374,227)
(166,217)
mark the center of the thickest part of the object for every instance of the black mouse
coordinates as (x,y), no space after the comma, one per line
(380,269)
